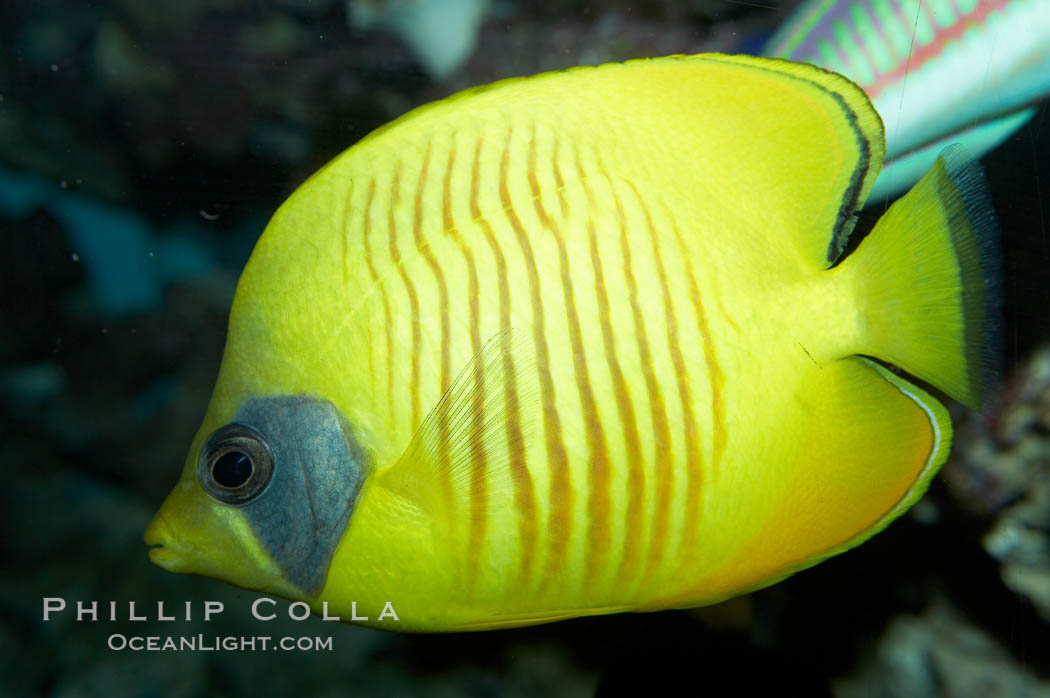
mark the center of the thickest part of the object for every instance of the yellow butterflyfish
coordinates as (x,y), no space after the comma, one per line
(587,342)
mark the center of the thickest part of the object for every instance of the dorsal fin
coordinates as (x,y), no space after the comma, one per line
(826,161)
(769,148)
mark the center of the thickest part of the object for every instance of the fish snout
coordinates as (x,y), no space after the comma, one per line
(165,550)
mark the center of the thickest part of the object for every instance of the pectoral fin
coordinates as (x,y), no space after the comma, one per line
(470,446)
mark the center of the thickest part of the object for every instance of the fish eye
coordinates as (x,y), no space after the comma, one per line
(236,464)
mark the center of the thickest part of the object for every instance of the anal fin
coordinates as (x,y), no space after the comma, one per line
(865,444)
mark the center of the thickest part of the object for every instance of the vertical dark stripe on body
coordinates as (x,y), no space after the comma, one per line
(664,465)
(559,182)
(381,291)
(635,505)
(413,300)
(424,247)
(601,493)
(559,522)
(599,458)
(478,458)
(693,509)
(524,496)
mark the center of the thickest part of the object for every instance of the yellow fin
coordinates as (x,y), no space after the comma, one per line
(884,439)
(469,439)
(503,621)
(929,281)
(809,169)
(823,170)
(866,445)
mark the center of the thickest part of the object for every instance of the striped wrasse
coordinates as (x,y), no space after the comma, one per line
(585,342)
(938,71)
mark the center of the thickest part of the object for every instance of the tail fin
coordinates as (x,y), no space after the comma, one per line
(929,275)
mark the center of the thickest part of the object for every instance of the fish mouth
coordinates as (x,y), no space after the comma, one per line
(162,557)
(163,551)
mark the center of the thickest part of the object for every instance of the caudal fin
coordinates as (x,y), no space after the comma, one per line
(929,276)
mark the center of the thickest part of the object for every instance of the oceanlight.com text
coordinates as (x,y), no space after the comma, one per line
(213,643)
